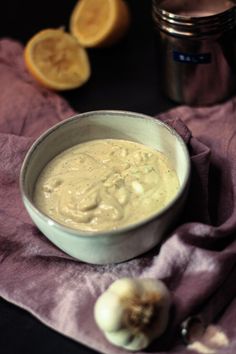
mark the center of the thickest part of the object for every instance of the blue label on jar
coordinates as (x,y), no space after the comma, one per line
(203,58)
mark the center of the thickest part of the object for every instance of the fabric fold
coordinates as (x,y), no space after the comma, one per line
(196,260)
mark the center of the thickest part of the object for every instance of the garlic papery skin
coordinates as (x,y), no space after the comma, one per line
(132,312)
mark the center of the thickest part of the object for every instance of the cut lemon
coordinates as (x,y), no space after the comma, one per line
(99,22)
(56,60)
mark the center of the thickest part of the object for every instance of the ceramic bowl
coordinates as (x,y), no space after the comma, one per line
(129,241)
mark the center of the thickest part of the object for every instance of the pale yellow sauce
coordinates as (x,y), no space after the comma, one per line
(105,184)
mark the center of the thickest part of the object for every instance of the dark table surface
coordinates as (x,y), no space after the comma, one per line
(125,76)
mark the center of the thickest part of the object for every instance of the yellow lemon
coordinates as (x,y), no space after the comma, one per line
(99,22)
(57,60)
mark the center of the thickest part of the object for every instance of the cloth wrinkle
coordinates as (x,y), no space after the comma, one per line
(176,280)
(196,260)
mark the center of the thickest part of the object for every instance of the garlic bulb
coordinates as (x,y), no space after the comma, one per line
(133,312)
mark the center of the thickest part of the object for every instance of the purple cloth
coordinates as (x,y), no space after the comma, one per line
(196,261)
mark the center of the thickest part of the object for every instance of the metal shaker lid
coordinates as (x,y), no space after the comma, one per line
(191,19)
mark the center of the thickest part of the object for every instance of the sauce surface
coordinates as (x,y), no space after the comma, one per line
(105,184)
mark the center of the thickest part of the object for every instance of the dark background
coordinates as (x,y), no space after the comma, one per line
(125,76)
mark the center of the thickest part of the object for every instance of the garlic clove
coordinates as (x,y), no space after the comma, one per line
(106,306)
(125,339)
(139,342)
(161,322)
(125,287)
(164,302)
(117,337)
(156,287)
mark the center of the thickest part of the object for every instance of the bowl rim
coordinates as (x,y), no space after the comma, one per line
(121,230)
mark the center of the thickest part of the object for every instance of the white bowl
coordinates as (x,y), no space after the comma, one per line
(127,242)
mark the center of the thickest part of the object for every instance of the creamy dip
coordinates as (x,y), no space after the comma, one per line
(105,184)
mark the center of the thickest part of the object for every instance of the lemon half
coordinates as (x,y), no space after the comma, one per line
(99,22)
(57,60)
